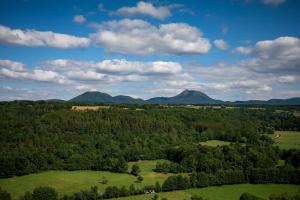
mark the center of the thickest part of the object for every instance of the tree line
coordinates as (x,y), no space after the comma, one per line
(199,158)
(39,136)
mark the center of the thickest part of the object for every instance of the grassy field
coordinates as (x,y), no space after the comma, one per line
(214,143)
(287,139)
(68,182)
(227,192)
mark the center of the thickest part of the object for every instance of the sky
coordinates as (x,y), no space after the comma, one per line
(228,49)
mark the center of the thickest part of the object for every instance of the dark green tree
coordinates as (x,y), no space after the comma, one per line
(140,179)
(111,192)
(157,187)
(248,196)
(4,195)
(135,170)
(104,180)
(155,197)
(41,193)
(27,196)
(124,192)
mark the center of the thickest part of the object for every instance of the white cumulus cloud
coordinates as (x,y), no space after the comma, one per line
(114,67)
(278,55)
(141,38)
(145,9)
(33,38)
(221,44)
(15,70)
(243,50)
(12,65)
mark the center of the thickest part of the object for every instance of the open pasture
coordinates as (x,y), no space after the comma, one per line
(214,143)
(68,182)
(287,139)
(226,192)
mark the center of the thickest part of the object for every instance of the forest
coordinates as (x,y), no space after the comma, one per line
(40,136)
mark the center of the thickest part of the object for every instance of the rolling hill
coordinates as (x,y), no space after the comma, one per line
(185,97)
(99,97)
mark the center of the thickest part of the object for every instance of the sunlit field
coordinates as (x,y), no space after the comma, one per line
(68,182)
(214,143)
(226,192)
(287,139)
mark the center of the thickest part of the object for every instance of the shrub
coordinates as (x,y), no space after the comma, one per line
(4,195)
(135,170)
(140,179)
(248,196)
(42,193)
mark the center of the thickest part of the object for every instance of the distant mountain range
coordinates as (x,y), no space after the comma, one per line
(99,97)
(185,97)
(55,100)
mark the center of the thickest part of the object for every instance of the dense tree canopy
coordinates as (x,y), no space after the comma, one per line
(36,136)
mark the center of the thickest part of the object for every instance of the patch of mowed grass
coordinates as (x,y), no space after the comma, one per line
(146,166)
(65,182)
(287,139)
(150,177)
(226,192)
(214,143)
(68,182)
(233,192)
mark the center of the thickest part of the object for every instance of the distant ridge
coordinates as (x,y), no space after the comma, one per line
(55,100)
(99,97)
(93,97)
(290,101)
(185,97)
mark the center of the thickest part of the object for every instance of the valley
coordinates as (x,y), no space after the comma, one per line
(130,150)
(150,100)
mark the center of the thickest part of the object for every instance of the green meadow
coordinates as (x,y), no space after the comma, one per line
(68,182)
(214,143)
(226,192)
(287,139)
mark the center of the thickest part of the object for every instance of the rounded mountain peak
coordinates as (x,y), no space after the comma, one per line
(187,92)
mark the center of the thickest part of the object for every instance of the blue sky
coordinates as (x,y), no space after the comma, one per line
(229,49)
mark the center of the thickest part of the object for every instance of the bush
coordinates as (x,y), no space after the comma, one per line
(42,193)
(157,187)
(248,196)
(27,196)
(111,192)
(135,170)
(140,179)
(155,197)
(176,183)
(4,195)
(104,180)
